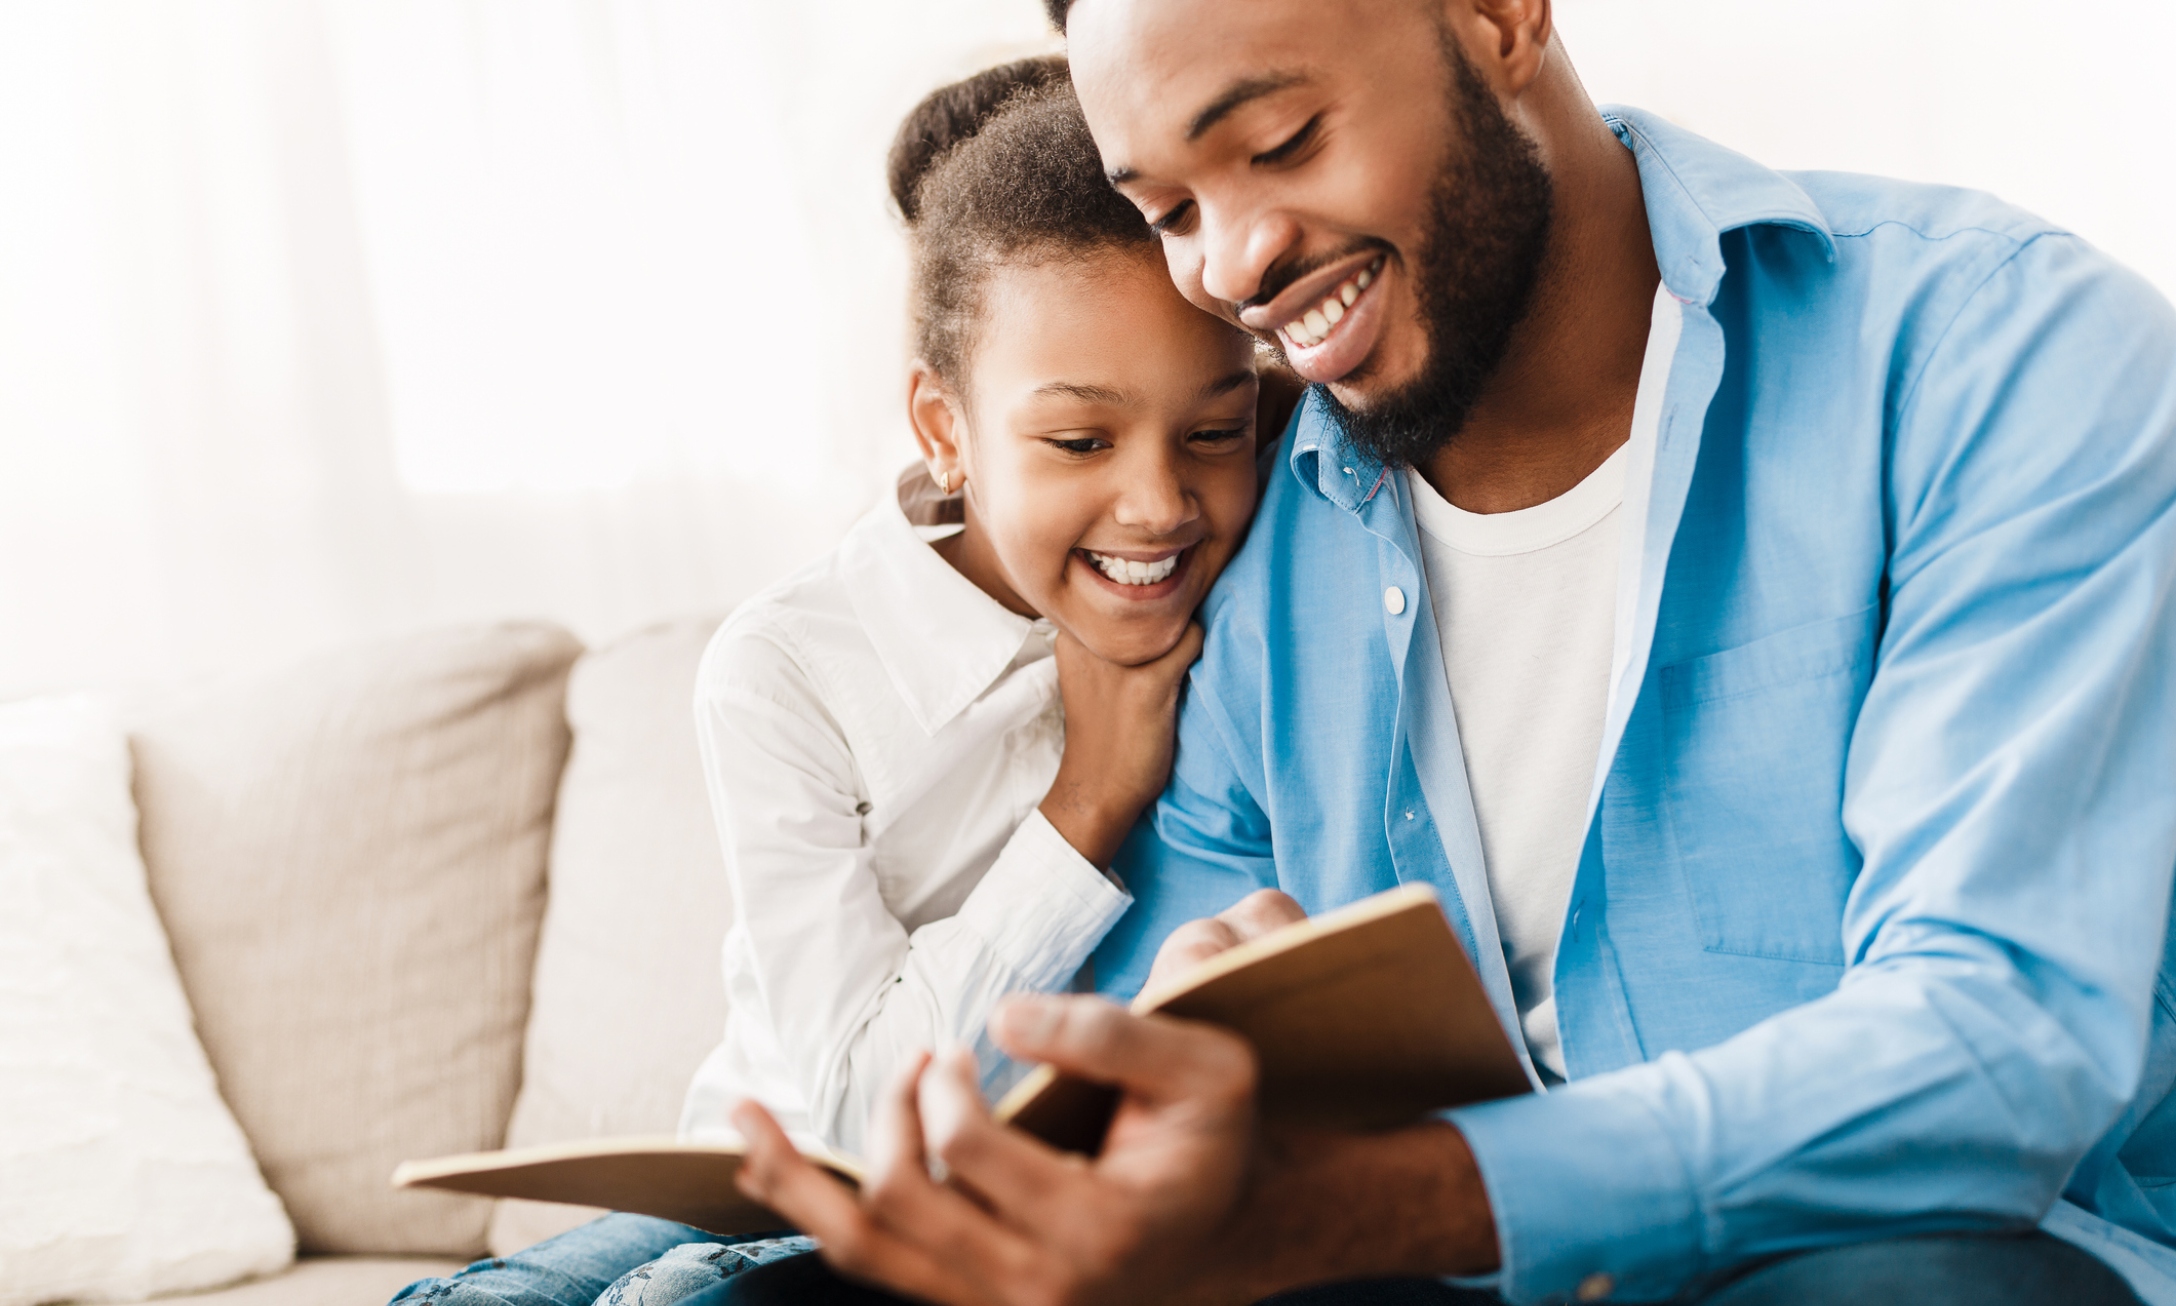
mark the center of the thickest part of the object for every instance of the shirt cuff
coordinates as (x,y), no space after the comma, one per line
(1590,1196)
(1042,907)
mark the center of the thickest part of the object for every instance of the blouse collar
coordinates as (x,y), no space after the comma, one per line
(942,640)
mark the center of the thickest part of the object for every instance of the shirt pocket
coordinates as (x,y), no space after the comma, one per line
(1753,780)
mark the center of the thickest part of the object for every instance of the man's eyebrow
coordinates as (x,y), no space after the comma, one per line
(1238,93)
(1224,385)
(1083,391)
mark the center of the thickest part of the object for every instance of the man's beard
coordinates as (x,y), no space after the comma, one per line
(1474,277)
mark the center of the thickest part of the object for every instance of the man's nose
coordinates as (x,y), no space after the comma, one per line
(1239,248)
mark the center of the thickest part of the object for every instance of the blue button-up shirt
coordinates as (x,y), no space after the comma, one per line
(1868,931)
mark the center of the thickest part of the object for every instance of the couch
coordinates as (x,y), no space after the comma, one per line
(444,893)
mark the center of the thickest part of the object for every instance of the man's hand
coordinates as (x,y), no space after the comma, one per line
(1251,917)
(1017,1222)
(1186,1201)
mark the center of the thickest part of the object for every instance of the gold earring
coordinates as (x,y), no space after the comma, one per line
(944,482)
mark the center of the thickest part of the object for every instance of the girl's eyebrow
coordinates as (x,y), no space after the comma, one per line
(1088,392)
(1084,391)
(1226,384)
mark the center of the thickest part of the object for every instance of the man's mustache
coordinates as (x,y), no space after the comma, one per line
(1283,273)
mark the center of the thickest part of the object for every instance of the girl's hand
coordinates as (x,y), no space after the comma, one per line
(1119,723)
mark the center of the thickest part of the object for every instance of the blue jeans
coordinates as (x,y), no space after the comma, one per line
(2031,1269)
(607,1255)
(617,1260)
(807,1281)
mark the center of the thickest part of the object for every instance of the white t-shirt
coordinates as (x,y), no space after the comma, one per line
(1526,611)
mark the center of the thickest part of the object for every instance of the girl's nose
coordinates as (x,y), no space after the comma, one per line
(1154,499)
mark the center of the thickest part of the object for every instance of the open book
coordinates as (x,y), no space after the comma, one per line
(1366,1017)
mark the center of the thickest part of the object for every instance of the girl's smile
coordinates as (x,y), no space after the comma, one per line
(1139,577)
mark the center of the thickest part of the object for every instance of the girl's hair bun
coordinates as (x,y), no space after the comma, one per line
(995,170)
(952,115)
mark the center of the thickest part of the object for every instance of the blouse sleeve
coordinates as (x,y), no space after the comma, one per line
(850,993)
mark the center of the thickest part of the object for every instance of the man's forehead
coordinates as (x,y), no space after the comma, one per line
(1169,62)
(1156,74)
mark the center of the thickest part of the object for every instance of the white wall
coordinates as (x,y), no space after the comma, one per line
(327,318)
(2060,109)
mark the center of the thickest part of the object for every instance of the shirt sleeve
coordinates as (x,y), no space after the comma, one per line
(1203,846)
(2008,787)
(850,993)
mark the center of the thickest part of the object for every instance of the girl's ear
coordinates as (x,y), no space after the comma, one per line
(934,412)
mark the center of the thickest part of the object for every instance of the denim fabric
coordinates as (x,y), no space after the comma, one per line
(687,1270)
(616,1260)
(2001,1270)
(2021,1270)
(807,1281)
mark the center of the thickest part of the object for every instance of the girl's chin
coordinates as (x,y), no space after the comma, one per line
(1128,643)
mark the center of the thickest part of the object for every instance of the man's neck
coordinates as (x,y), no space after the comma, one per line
(1561,401)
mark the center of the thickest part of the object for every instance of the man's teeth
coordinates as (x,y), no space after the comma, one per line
(1312,327)
(1128,572)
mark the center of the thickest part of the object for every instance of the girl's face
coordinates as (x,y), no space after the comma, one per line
(1107,444)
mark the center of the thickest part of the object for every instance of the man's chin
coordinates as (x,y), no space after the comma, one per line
(1398,425)
(1365,390)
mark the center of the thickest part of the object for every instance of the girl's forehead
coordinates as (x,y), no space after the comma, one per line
(1114,313)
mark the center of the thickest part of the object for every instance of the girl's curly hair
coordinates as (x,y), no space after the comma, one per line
(998,168)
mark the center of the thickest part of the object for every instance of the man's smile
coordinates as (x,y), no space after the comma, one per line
(1329,321)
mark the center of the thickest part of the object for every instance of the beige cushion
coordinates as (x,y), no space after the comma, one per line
(328,1281)
(122,1173)
(349,857)
(628,997)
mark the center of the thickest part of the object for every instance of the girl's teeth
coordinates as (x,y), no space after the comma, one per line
(1128,572)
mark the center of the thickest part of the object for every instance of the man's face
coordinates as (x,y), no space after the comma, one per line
(1334,176)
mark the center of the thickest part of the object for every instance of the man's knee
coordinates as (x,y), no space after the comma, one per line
(2025,1269)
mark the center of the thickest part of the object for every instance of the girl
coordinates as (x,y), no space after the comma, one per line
(924,749)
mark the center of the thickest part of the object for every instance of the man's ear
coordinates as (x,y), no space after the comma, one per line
(1508,39)
(934,412)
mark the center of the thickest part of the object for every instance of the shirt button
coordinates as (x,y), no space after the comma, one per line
(1595,1287)
(1393,600)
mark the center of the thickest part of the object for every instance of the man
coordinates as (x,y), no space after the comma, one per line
(1748,598)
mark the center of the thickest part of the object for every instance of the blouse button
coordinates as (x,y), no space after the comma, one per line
(1394,600)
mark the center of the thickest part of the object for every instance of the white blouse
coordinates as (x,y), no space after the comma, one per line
(877,735)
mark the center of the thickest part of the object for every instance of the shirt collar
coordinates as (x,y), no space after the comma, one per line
(1329,463)
(941,639)
(1695,190)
